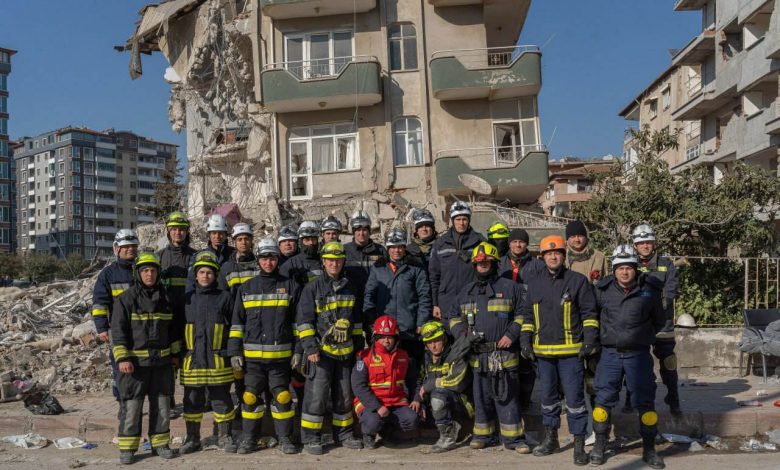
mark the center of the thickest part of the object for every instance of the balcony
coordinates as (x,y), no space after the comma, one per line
(145,218)
(773,118)
(517,174)
(52,216)
(101,243)
(52,189)
(342,82)
(101,201)
(106,173)
(105,215)
(697,51)
(701,101)
(146,191)
(150,165)
(105,229)
(685,5)
(105,187)
(287,9)
(31,220)
(52,202)
(31,179)
(494,74)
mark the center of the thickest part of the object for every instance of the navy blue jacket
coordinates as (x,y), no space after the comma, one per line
(404,295)
(450,269)
(529,266)
(360,259)
(662,269)
(114,279)
(629,319)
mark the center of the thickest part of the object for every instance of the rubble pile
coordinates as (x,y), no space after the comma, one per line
(48,340)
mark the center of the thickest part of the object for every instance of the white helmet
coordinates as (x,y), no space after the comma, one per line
(125,237)
(267,247)
(395,237)
(686,321)
(330,223)
(216,223)
(643,233)
(308,228)
(624,254)
(459,208)
(241,229)
(359,219)
(422,216)
(288,232)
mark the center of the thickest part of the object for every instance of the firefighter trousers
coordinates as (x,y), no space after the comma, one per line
(567,373)
(156,383)
(327,387)
(264,380)
(218,397)
(400,417)
(496,399)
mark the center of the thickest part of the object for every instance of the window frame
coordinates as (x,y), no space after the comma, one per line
(401,39)
(406,134)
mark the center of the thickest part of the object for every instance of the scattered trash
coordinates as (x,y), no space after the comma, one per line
(90,446)
(677,438)
(749,403)
(776,403)
(177,440)
(42,403)
(761,393)
(752,445)
(591,439)
(695,447)
(147,446)
(27,441)
(774,436)
(715,442)
(69,443)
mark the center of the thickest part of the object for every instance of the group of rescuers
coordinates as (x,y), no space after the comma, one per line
(459,328)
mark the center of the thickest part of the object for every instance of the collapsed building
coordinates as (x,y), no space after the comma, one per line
(304,108)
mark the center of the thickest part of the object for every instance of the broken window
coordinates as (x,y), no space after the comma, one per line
(407,142)
(403,47)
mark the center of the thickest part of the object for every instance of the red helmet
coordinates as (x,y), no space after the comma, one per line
(385,326)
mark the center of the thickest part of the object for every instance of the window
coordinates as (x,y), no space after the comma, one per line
(403,47)
(89,210)
(88,153)
(513,139)
(3,148)
(320,149)
(5,192)
(77,226)
(4,126)
(75,181)
(89,182)
(316,55)
(3,104)
(89,168)
(76,209)
(666,98)
(5,236)
(3,82)
(653,107)
(4,170)
(75,151)
(407,142)
(76,195)
(5,214)
(89,239)
(75,166)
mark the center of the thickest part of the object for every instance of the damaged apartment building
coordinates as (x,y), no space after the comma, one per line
(304,108)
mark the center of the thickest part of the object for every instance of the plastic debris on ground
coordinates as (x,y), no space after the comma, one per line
(41,403)
(773,436)
(749,403)
(677,438)
(761,393)
(715,442)
(695,447)
(27,441)
(591,439)
(753,445)
(69,443)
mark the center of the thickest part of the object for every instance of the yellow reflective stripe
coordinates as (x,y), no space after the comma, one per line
(454,380)
(267,354)
(567,322)
(139,353)
(557,349)
(591,323)
(236,334)
(343,351)
(253,414)
(193,417)
(511,363)
(483,429)
(536,323)
(216,372)
(238,280)
(177,281)
(661,269)
(335,305)
(120,353)
(151,316)
(129,442)
(519,321)
(342,423)
(310,424)
(357,331)
(499,306)
(159,440)
(282,414)
(266,303)
(511,430)
(223,417)
(189,340)
(527,327)
(99,312)
(176,347)
(305,333)
(216,341)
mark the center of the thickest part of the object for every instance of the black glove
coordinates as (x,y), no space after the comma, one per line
(527,352)
(588,350)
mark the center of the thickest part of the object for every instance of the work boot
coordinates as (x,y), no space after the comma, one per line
(597,454)
(549,444)
(448,437)
(649,455)
(192,440)
(580,457)
(126,457)
(478,444)
(314,448)
(225,438)
(248,445)
(369,441)
(352,443)
(522,448)
(287,446)
(674,405)
(164,452)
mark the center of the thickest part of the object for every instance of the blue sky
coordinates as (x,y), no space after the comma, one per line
(598,55)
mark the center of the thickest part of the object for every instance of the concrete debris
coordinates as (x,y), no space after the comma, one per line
(753,445)
(695,447)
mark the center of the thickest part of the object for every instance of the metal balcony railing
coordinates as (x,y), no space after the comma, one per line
(318,68)
(493,157)
(488,58)
(693,152)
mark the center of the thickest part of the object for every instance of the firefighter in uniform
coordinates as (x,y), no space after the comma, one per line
(498,236)
(288,243)
(112,281)
(444,381)
(423,237)
(362,252)
(176,258)
(449,269)
(261,339)
(331,229)
(145,331)
(378,381)
(490,310)
(208,311)
(330,330)
(631,313)
(662,269)
(306,265)
(242,264)
(560,329)
(217,230)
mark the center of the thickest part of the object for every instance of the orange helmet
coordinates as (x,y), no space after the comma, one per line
(551,243)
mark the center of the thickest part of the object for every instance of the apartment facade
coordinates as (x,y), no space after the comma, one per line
(77,187)
(571,182)
(7,178)
(722,88)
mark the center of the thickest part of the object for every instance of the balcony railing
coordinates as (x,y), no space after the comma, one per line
(318,68)
(693,152)
(490,58)
(493,157)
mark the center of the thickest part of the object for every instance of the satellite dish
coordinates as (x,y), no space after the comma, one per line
(476,184)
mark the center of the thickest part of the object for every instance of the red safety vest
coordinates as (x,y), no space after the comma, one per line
(386,375)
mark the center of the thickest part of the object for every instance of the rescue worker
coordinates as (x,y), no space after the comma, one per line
(631,309)
(112,281)
(217,231)
(490,309)
(330,229)
(330,330)
(423,237)
(306,265)
(498,236)
(402,291)
(288,243)
(362,252)
(517,265)
(242,264)
(378,381)
(449,269)
(177,257)
(145,340)
(208,311)
(661,268)
(560,330)
(261,339)
(444,381)
(580,257)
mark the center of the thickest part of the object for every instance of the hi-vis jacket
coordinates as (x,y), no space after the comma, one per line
(560,314)
(145,327)
(322,303)
(263,315)
(302,268)
(207,315)
(379,378)
(450,269)
(662,269)
(450,373)
(175,262)
(237,270)
(114,279)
